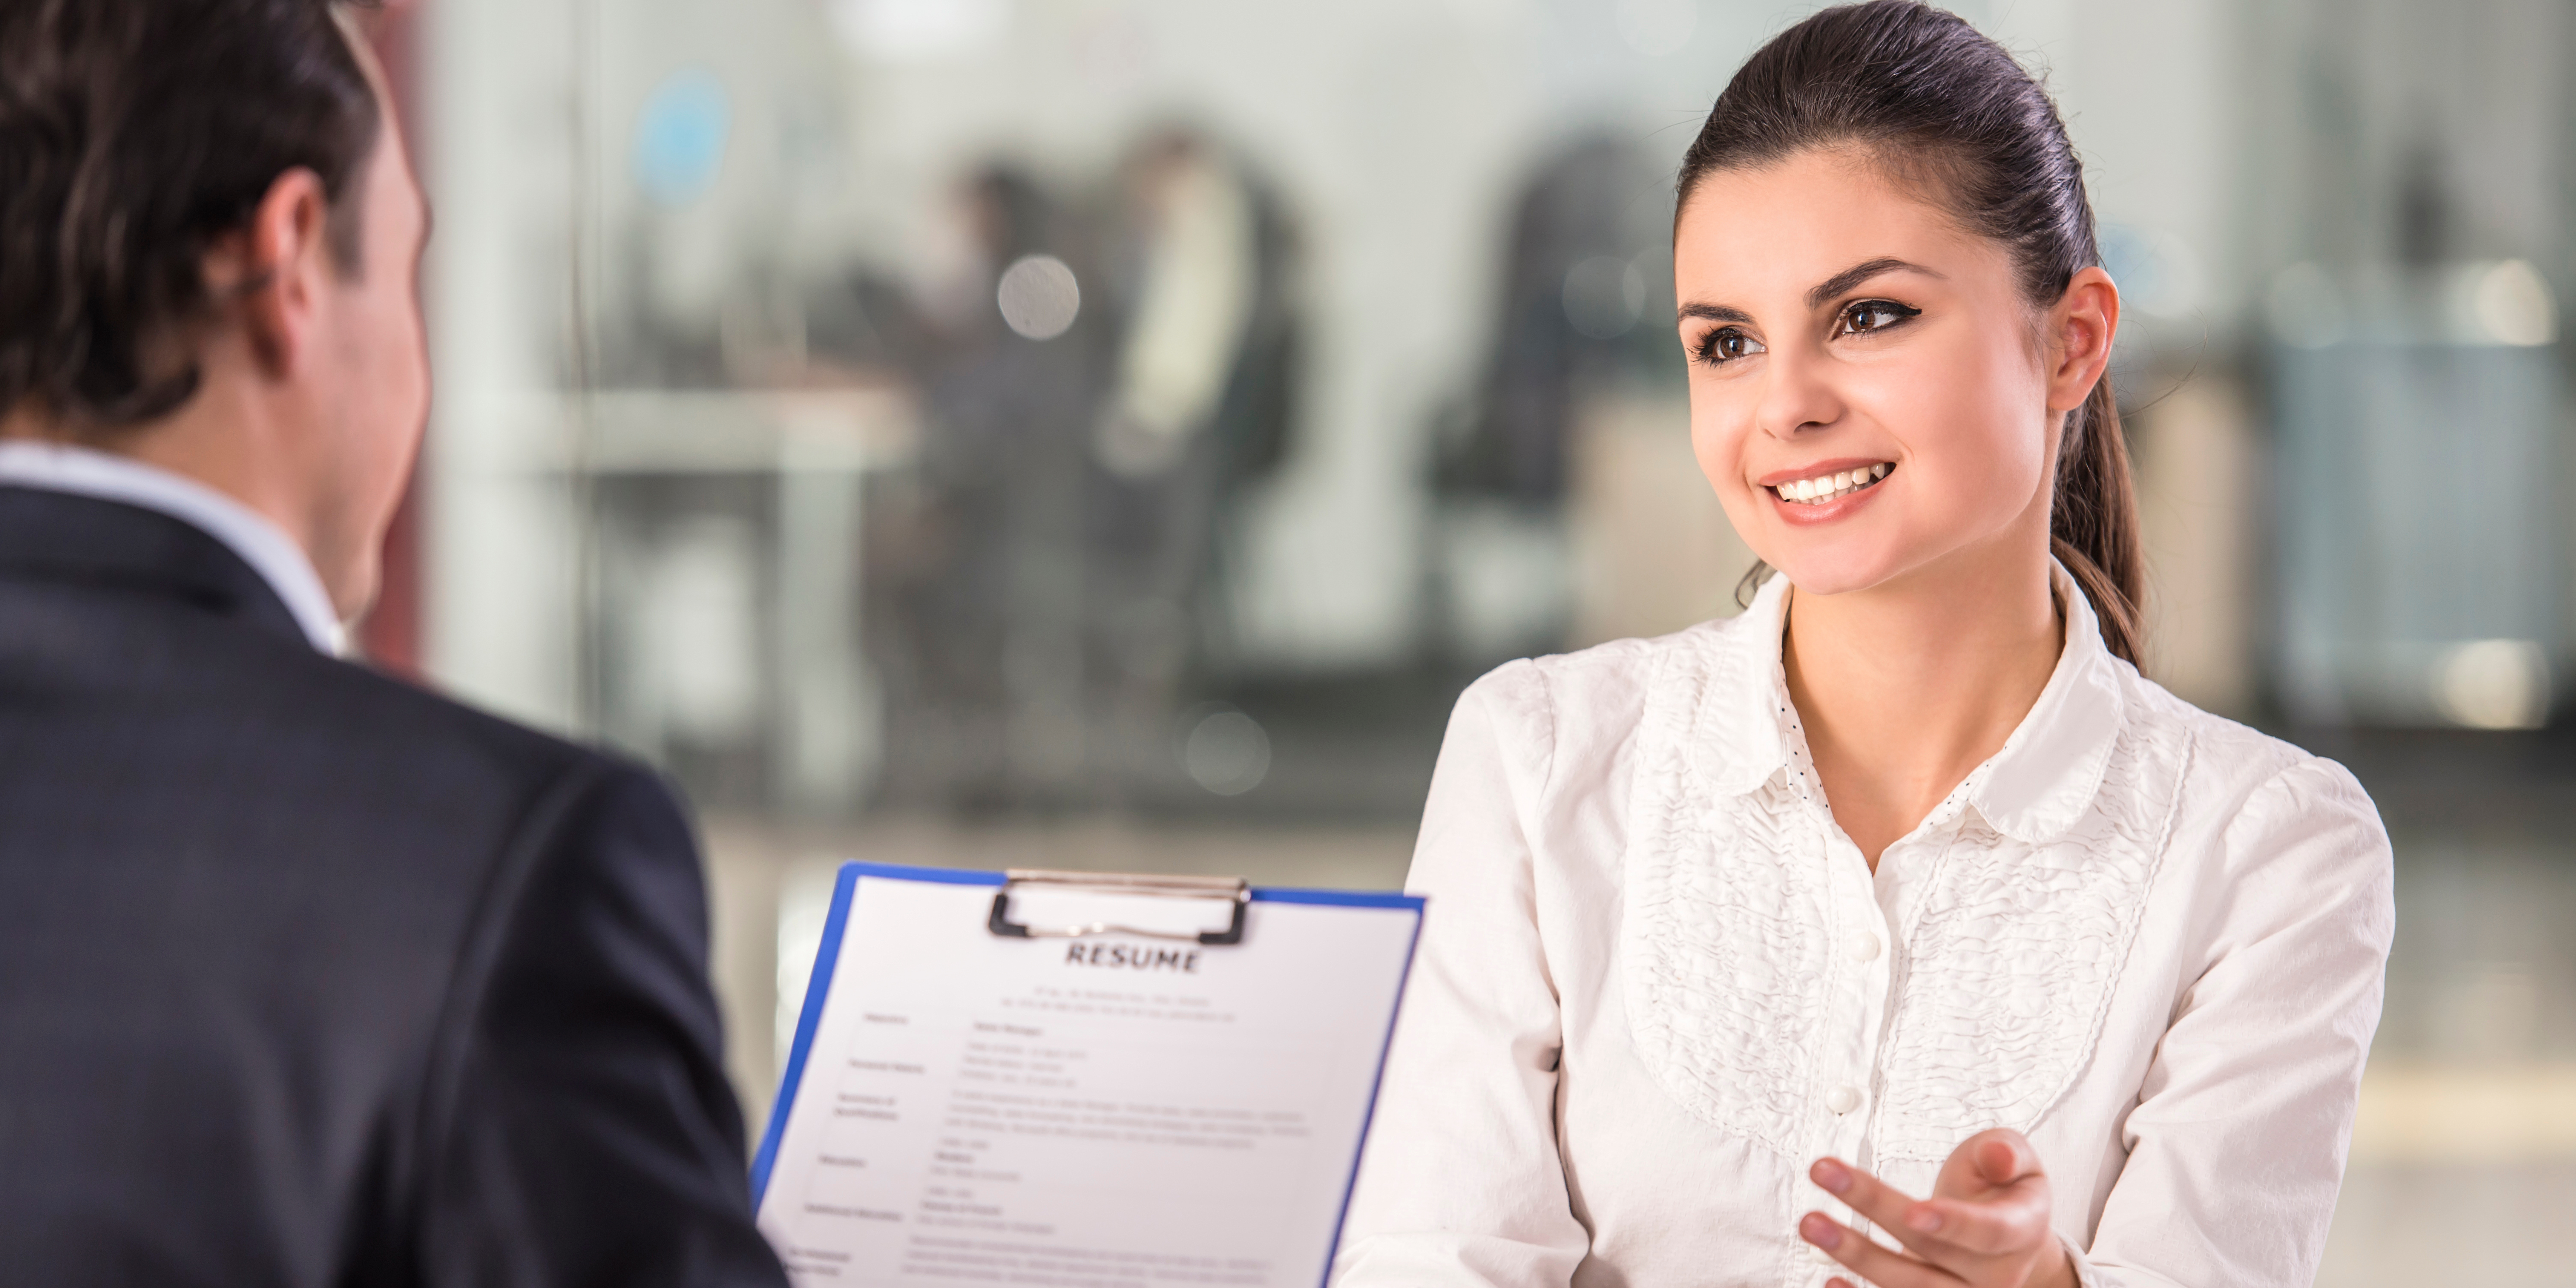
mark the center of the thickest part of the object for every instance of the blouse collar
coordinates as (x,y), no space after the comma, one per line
(2032,790)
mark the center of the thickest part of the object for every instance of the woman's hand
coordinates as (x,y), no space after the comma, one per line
(1985,1226)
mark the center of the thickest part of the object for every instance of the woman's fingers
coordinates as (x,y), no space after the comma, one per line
(1990,1159)
(2003,1221)
(1991,1195)
(2003,1157)
(1865,1193)
(1891,1209)
(2010,1221)
(1879,1265)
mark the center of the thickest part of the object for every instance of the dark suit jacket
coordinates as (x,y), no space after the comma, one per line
(308,977)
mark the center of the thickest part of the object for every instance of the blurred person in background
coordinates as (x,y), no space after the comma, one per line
(1553,346)
(1902,895)
(1202,268)
(982,641)
(306,976)
(1045,592)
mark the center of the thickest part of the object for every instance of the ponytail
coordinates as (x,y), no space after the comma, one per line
(2093,521)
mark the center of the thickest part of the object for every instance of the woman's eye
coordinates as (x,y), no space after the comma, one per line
(1874,315)
(1726,344)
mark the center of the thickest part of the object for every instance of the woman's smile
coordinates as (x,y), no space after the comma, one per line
(1824,492)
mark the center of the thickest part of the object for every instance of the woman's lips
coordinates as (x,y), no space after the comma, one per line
(1822,494)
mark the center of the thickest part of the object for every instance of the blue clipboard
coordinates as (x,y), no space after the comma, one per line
(827,957)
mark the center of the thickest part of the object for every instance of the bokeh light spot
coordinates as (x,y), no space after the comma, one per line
(680,136)
(2513,304)
(2494,684)
(1039,297)
(1226,752)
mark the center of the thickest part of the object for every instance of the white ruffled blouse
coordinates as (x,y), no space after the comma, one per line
(1656,980)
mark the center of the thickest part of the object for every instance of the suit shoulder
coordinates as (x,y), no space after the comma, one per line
(379,716)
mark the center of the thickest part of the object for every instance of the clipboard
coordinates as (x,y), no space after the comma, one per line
(1036,1078)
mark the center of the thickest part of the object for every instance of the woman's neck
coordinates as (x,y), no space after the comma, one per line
(1905,688)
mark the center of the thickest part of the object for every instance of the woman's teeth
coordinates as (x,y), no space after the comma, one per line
(1829,487)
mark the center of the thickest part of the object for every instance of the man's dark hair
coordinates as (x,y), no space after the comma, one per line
(133,135)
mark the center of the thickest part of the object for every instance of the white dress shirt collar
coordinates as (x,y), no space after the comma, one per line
(2032,790)
(80,471)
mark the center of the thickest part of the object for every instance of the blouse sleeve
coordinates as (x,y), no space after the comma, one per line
(1462,1184)
(2236,1146)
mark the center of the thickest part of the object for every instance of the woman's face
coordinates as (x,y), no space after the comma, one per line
(1870,392)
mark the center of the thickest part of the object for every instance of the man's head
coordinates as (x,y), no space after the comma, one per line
(209,243)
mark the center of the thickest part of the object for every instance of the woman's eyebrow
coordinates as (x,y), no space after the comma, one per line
(1857,274)
(1823,292)
(1714,313)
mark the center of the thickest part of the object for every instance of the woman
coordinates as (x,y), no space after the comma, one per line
(1896,930)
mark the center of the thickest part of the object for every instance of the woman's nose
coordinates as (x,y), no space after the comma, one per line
(1797,395)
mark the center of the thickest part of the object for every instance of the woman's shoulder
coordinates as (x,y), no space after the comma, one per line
(1606,687)
(2248,782)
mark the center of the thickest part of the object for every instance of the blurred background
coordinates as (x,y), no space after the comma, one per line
(1108,434)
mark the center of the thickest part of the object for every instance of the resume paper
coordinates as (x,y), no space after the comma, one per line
(1092,1112)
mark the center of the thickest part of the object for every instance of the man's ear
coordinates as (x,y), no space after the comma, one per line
(2084,322)
(268,275)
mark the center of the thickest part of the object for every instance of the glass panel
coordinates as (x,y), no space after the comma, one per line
(1109,433)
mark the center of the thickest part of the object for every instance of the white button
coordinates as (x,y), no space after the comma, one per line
(1864,947)
(1843,1100)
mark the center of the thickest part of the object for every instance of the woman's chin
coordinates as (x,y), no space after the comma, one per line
(1836,572)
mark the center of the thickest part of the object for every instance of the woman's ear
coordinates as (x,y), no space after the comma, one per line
(2082,325)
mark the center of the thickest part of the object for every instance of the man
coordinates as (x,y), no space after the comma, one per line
(306,977)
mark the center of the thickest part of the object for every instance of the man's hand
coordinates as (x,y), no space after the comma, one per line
(1985,1226)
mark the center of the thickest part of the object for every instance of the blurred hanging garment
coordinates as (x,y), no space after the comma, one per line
(1581,281)
(1187,324)
(1201,410)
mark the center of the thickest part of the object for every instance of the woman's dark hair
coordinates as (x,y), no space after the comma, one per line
(1948,112)
(133,134)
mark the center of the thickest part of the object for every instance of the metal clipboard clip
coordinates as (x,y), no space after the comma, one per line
(1234,890)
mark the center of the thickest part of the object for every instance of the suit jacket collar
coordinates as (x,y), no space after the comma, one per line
(62,537)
